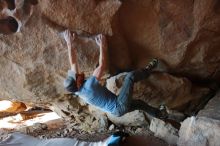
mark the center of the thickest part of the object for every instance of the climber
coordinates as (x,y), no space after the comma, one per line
(93,93)
(8,25)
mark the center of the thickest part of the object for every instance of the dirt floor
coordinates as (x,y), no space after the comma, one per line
(60,129)
(45,124)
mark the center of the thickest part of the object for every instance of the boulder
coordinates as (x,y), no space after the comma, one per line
(204,129)
(164,131)
(200,131)
(135,118)
(163,88)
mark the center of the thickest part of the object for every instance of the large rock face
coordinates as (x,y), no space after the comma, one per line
(185,34)
(34,61)
(87,15)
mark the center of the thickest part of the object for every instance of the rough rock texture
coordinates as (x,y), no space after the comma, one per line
(135,118)
(185,34)
(28,62)
(212,109)
(164,131)
(35,65)
(203,130)
(87,15)
(200,131)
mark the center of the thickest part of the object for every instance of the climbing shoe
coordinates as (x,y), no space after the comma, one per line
(152,64)
(163,114)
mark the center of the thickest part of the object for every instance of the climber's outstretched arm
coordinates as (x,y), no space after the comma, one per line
(102,42)
(72,52)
